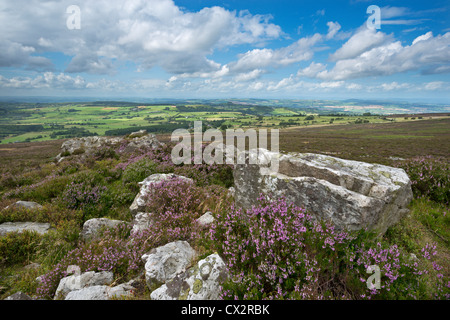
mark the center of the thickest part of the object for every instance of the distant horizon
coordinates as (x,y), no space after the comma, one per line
(64,99)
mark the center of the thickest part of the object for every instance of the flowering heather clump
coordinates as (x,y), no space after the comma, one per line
(267,250)
(138,167)
(81,196)
(430,177)
(277,251)
(115,251)
(175,205)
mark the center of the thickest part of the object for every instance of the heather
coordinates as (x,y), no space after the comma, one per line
(430,177)
(275,250)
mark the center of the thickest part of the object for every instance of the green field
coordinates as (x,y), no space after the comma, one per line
(49,121)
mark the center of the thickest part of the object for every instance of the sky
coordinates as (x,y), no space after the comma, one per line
(283,49)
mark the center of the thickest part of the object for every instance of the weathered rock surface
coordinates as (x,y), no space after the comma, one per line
(79,281)
(201,282)
(350,194)
(141,221)
(92,227)
(206,219)
(89,145)
(29,205)
(41,228)
(101,292)
(163,263)
(139,203)
(18,296)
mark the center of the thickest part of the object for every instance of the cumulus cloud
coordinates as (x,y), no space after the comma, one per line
(370,53)
(301,50)
(148,33)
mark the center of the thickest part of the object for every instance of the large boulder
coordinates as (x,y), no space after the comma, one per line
(89,145)
(139,203)
(164,263)
(92,227)
(201,282)
(350,194)
(41,228)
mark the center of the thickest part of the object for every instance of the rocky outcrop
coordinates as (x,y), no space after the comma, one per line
(79,281)
(164,263)
(41,228)
(350,194)
(27,205)
(89,145)
(139,203)
(201,282)
(101,292)
(92,227)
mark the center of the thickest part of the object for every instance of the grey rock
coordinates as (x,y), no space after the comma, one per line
(206,219)
(350,194)
(101,292)
(141,221)
(29,205)
(201,282)
(137,134)
(79,281)
(19,296)
(41,228)
(139,203)
(92,227)
(163,263)
(85,146)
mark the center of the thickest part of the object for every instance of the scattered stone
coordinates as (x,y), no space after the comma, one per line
(202,282)
(28,205)
(206,219)
(92,227)
(79,281)
(33,265)
(139,203)
(41,228)
(137,134)
(232,191)
(163,263)
(350,194)
(19,296)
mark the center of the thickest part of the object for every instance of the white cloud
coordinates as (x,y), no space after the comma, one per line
(423,37)
(148,33)
(363,40)
(394,86)
(369,53)
(301,50)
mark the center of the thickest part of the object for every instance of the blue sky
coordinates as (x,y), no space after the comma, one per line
(233,49)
